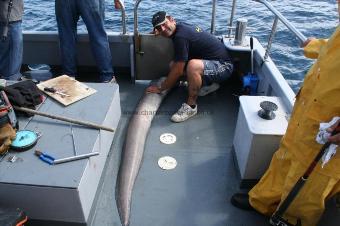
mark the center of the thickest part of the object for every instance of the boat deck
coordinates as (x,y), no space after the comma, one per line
(198,190)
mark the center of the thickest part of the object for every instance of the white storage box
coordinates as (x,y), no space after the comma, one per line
(256,139)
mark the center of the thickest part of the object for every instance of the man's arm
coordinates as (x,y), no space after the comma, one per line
(176,70)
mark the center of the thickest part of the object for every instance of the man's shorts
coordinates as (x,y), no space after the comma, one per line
(216,71)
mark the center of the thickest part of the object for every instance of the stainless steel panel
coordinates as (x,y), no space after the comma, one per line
(43,48)
(153,55)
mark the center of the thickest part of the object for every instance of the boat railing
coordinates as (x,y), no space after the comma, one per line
(135,17)
(279,16)
(232,13)
(213,16)
(135,14)
(122,7)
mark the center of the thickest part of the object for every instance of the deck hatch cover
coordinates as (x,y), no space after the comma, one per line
(167,162)
(167,138)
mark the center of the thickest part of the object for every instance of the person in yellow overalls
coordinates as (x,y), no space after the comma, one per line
(317,101)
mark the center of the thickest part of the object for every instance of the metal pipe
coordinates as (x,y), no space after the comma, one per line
(132,60)
(74,158)
(135,18)
(135,28)
(65,119)
(290,26)
(123,16)
(252,55)
(213,16)
(271,38)
(339,23)
(232,17)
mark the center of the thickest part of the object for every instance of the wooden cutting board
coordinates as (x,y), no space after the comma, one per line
(67,85)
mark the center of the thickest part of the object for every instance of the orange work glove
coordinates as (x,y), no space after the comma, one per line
(7,135)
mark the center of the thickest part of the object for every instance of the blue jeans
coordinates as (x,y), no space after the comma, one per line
(11,52)
(92,12)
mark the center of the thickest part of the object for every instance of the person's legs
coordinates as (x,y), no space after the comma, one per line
(201,73)
(67,17)
(335,193)
(282,174)
(92,12)
(266,195)
(194,71)
(214,73)
(11,52)
(309,204)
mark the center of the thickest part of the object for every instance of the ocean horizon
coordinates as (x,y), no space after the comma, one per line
(313,18)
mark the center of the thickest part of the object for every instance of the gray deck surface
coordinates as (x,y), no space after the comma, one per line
(197,191)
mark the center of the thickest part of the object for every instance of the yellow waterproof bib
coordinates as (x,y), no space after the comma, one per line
(318,101)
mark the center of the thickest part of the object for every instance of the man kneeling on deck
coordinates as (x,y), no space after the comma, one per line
(200,55)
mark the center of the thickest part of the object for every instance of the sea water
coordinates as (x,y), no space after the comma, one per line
(314,18)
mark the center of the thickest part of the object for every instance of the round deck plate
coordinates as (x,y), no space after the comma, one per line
(167,163)
(167,138)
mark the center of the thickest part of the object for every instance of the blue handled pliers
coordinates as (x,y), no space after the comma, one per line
(44,157)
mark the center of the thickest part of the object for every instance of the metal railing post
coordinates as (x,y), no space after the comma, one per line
(213,16)
(136,48)
(339,24)
(135,17)
(232,17)
(290,26)
(271,38)
(123,16)
(135,28)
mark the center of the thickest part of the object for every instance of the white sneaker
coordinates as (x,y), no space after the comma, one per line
(205,90)
(184,113)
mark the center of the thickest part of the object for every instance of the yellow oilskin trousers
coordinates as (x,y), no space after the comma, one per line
(318,101)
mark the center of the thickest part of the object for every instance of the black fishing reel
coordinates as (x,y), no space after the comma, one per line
(277,220)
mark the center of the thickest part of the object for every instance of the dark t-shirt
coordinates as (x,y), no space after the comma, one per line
(191,42)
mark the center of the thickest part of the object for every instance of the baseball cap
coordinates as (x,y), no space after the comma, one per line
(158,18)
